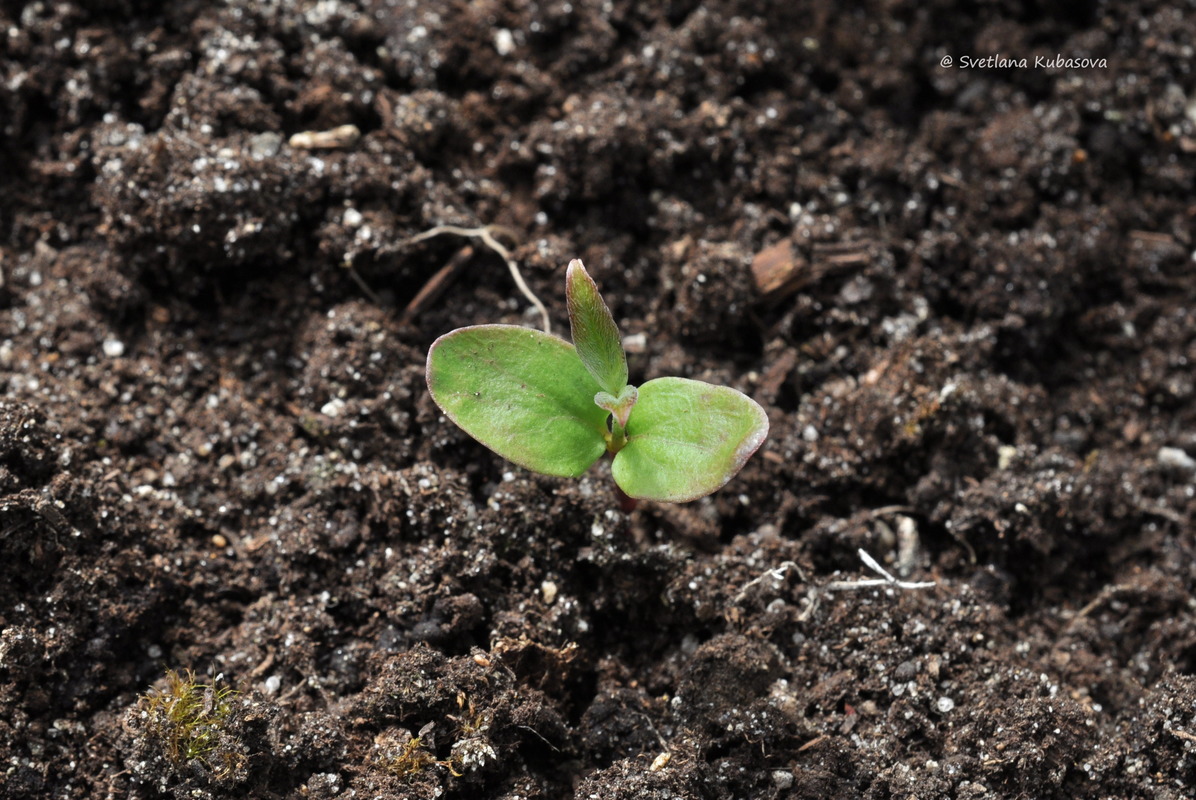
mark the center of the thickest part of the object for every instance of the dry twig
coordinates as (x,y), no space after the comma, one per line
(431,291)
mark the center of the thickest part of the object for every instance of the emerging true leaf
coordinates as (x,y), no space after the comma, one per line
(619,406)
(595,334)
(685,439)
(522,393)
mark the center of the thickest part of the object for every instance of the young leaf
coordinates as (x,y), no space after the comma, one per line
(685,439)
(619,406)
(522,393)
(595,334)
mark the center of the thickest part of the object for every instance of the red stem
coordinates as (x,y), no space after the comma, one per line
(627,504)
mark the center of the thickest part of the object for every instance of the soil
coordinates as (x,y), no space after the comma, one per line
(965,295)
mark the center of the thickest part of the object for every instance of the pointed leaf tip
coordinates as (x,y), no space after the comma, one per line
(595,334)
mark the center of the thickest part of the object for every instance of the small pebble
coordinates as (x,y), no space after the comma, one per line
(635,343)
(944,704)
(1176,458)
(114,348)
(265,145)
(549,590)
(1005,455)
(219,541)
(504,42)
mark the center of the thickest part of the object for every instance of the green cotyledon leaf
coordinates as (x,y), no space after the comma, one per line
(686,439)
(522,393)
(595,334)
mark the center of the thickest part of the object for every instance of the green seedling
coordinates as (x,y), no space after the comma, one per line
(556,408)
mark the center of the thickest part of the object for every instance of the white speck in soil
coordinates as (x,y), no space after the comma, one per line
(504,42)
(1175,458)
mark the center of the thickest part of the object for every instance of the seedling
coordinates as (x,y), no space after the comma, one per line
(556,408)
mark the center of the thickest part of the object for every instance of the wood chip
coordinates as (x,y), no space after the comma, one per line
(779,271)
(777,373)
(338,138)
(839,256)
(1152,237)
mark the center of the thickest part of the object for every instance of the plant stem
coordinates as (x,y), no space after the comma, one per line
(617,439)
(627,503)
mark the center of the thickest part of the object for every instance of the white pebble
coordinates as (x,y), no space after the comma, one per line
(114,348)
(1005,455)
(1176,458)
(635,343)
(944,704)
(504,42)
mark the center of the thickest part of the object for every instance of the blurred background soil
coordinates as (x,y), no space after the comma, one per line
(964,292)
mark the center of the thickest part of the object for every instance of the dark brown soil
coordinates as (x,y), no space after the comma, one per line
(218,454)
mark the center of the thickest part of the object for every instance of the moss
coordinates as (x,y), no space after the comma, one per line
(411,759)
(187,718)
(472,749)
